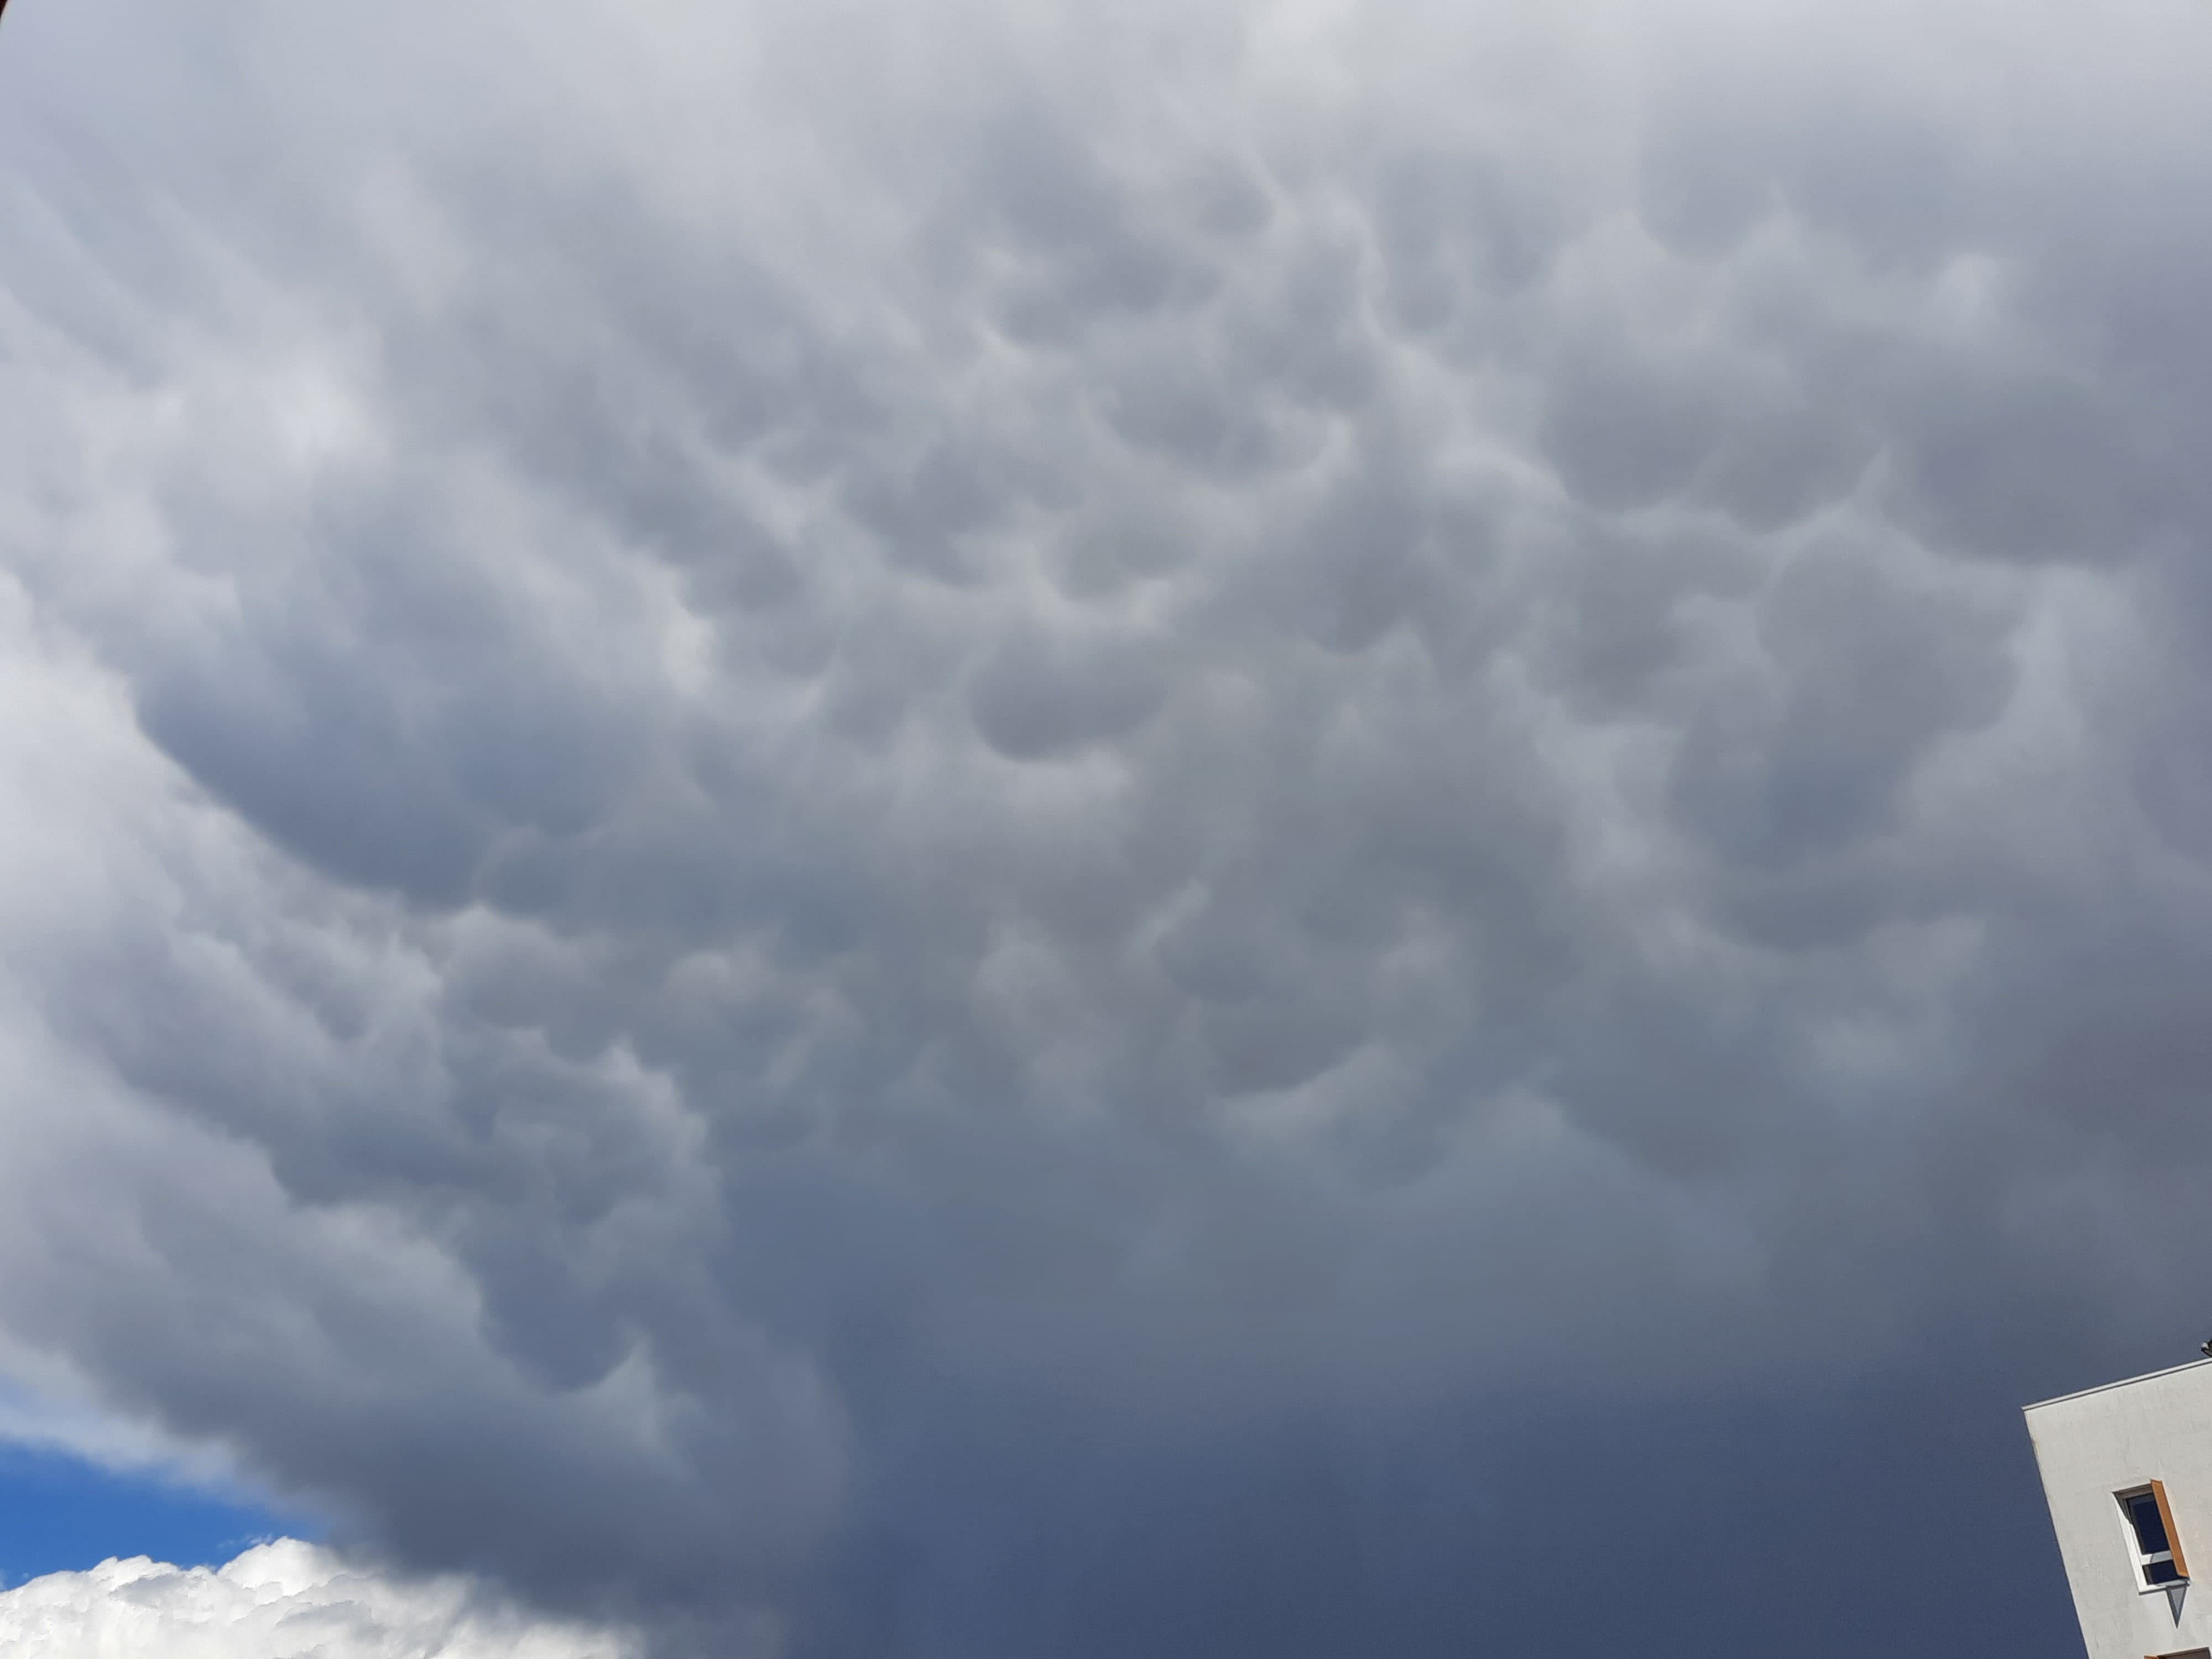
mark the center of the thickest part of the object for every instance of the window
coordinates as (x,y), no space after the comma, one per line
(2159,1560)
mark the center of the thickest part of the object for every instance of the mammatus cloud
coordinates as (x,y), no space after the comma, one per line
(914,833)
(278,1600)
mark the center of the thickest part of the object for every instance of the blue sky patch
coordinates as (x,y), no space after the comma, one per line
(59,1512)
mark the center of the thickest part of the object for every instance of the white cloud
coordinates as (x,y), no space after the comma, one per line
(285,1600)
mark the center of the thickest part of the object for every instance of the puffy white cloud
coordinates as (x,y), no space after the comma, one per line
(285,1600)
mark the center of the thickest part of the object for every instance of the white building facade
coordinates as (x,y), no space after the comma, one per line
(2128,1472)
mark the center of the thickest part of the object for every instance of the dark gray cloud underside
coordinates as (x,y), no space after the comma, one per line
(1231,835)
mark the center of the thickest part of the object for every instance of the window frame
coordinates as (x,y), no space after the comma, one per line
(2144,1560)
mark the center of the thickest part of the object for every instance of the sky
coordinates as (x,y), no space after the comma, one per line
(1028,832)
(59,1512)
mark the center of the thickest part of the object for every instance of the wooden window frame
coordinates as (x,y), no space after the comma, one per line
(2172,1532)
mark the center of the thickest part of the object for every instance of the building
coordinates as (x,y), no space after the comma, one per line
(2128,1471)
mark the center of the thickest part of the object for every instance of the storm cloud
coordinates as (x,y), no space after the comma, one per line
(970,830)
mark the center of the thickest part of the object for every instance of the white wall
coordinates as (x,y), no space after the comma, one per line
(2090,1446)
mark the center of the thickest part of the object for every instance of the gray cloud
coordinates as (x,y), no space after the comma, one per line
(896,829)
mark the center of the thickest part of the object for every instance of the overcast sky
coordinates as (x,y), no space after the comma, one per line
(966,832)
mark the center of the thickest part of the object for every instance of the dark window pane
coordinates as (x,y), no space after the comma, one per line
(2161,1572)
(2150,1531)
